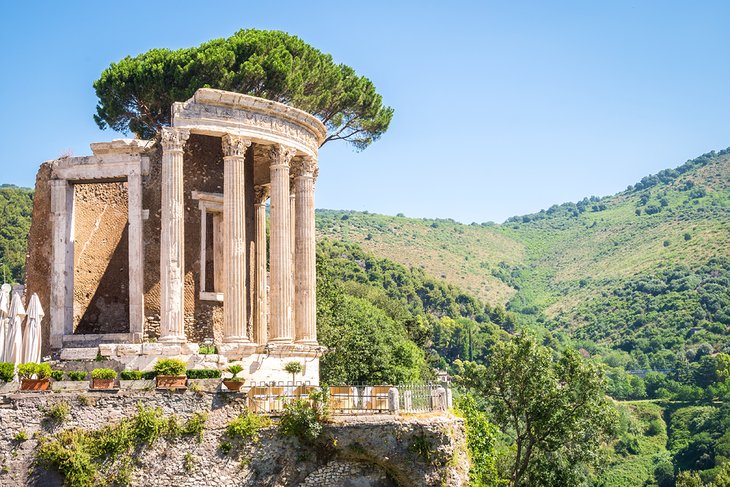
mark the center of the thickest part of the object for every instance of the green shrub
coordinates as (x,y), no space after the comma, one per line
(58,412)
(656,426)
(57,374)
(43,371)
(7,371)
(422,447)
(149,375)
(149,424)
(300,420)
(481,440)
(105,456)
(28,370)
(21,436)
(170,366)
(173,428)
(69,452)
(247,426)
(77,375)
(627,445)
(103,374)
(203,374)
(131,375)
(188,462)
(207,349)
(195,425)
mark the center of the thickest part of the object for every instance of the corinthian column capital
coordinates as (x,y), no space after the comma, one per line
(262,193)
(234,145)
(281,154)
(173,139)
(304,167)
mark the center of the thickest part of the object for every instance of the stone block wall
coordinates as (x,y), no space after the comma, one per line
(353,451)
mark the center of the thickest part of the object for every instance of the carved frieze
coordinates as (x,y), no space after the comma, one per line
(260,122)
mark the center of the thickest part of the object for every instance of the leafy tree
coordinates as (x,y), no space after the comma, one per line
(481,439)
(554,410)
(136,93)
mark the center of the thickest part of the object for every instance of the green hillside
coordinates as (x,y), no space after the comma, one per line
(647,264)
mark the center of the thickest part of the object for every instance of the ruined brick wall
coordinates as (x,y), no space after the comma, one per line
(38,261)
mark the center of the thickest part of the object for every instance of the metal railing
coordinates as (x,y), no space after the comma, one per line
(362,399)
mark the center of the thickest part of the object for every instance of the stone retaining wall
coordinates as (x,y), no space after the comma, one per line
(361,451)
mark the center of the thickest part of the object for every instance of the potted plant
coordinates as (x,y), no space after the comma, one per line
(170,373)
(234,383)
(103,378)
(27,371)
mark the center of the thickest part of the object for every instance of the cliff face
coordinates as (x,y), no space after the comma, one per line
(382,451)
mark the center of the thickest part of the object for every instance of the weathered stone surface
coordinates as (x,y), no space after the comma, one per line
(69,385)
(368,451)
(85,353)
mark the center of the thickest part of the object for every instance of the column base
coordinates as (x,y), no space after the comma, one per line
(307,342)
(235,339)
(173,339)
(284,340)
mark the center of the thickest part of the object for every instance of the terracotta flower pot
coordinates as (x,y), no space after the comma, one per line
(102,383)
(171,381)
(34,384)
(233,385)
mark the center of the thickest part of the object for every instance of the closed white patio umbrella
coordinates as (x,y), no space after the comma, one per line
(4,310)
(32,334)
(14,338)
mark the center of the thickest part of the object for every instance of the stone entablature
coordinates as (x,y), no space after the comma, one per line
(216,112)
(269,152)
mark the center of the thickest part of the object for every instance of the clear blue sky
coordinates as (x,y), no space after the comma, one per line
(501,108)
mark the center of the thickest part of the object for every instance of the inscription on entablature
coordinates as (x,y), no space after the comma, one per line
(259,121)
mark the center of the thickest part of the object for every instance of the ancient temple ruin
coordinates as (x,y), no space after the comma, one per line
(150,248)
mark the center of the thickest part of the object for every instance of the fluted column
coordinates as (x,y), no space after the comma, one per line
(280,265)
(292,226)
(172,237)
(234,239)
(305,273)
(260,313)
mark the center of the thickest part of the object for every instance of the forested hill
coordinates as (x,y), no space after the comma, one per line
(647,264)
(16,206)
